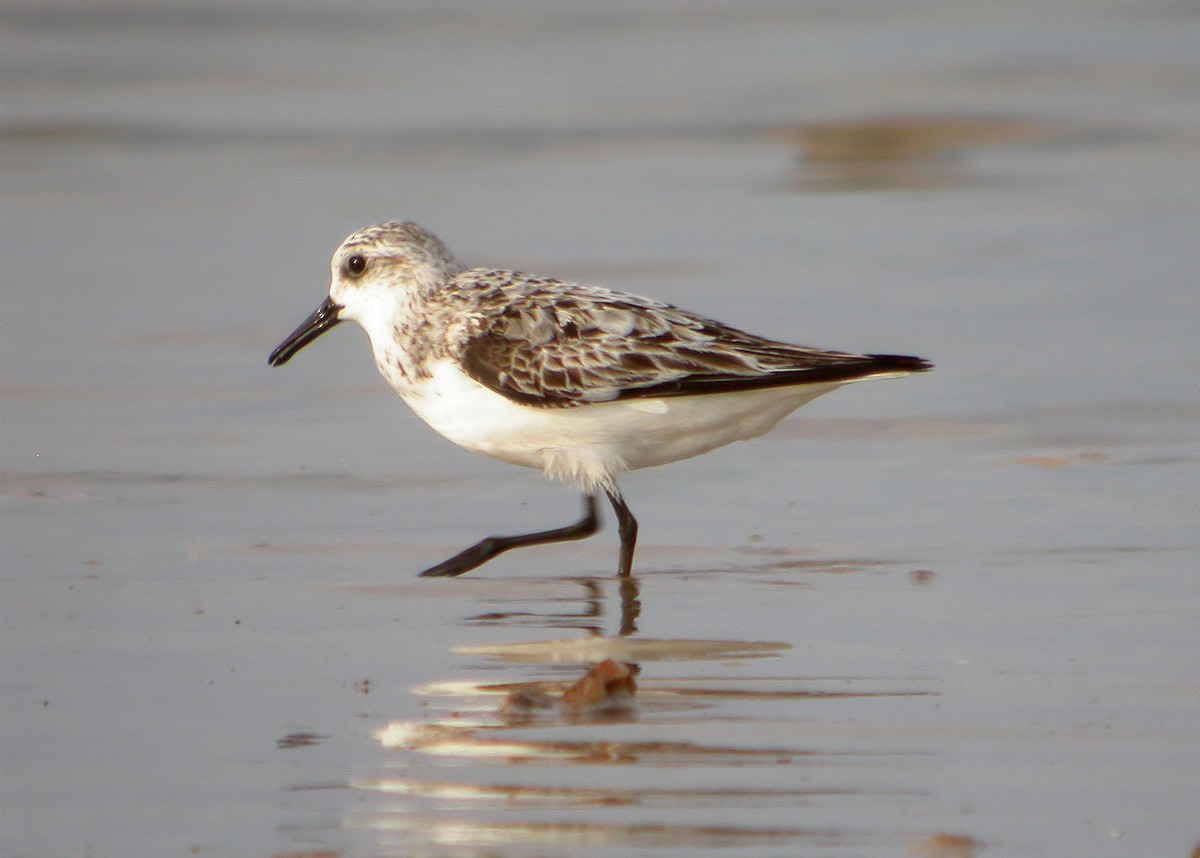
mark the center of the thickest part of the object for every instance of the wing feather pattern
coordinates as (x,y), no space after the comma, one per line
(546,343)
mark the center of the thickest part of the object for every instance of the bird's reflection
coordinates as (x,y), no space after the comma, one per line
(599,721)
(631,605)
(585,611)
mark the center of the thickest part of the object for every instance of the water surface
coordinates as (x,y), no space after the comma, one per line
(951,615)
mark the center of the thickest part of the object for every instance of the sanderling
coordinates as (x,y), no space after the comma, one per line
(582,382)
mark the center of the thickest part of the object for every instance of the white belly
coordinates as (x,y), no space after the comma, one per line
(590,444)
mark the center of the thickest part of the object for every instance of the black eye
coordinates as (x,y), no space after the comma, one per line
(356,265)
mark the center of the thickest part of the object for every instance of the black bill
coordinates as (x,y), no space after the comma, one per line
(322,319)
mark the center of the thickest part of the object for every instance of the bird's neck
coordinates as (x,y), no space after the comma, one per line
(403,342)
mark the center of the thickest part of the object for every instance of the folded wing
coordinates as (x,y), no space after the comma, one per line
(563,345)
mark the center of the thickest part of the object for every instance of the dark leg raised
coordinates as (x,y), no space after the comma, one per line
(627,526)
(484,550)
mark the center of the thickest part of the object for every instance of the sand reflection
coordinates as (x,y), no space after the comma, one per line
(630,742)
(913,152)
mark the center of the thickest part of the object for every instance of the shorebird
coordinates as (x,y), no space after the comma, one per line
(581,382)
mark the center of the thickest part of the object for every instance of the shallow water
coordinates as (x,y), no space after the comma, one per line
(952,615)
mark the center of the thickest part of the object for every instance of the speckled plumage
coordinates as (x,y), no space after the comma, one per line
(555,344)
(579,381)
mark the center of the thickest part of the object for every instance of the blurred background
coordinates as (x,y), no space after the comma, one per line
(203,556)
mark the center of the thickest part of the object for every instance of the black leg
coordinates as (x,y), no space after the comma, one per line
(627,527)
(485,549)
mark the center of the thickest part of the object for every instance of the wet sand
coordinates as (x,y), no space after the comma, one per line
(951,615)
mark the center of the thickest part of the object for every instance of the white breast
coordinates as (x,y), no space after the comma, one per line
(590,445)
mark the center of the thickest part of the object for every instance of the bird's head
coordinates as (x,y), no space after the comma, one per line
(372,274)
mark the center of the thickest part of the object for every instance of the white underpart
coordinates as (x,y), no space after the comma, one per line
(590,445)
